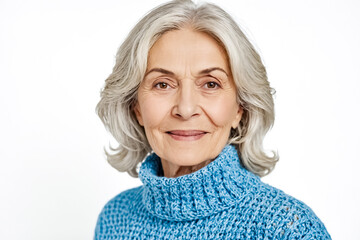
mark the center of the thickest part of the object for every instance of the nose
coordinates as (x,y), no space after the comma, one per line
(187,102)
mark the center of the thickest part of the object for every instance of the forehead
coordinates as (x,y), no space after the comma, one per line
(186,47)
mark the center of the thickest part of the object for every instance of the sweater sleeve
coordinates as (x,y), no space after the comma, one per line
(317,234)
(295,220)
(112,219)
(100,224)
(308,229)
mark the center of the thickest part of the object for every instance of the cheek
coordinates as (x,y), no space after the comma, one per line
(222,111)
(153,111)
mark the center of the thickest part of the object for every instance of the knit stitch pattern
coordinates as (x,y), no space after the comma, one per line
(220,201)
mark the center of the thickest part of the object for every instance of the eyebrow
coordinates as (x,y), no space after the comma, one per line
(160,70)
(209,70)
(205,71)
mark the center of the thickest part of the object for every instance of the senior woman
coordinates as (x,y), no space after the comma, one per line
(190,95)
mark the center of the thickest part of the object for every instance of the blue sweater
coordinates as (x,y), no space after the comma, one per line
(220,201)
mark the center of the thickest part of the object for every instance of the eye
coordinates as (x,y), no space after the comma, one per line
(211,85)
(161,85)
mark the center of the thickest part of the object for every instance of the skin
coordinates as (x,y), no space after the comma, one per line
(187,101)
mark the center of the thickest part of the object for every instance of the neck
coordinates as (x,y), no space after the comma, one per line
(172,170)
(217,186)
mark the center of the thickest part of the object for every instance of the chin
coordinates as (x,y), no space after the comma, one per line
(189,158)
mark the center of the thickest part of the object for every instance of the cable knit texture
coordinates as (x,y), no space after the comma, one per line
(220,201)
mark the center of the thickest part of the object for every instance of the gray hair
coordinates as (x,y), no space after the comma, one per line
(119,95)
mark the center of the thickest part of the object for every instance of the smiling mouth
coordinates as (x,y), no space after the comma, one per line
(186,135)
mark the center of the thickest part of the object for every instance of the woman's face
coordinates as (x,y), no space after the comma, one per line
(187,100)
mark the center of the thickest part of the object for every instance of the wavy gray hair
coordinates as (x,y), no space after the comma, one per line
(119,95)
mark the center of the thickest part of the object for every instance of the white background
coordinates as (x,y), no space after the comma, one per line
(55,56)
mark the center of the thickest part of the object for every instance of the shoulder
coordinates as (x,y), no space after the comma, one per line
(126,197)
(118,209)
(124,201)
(289,218)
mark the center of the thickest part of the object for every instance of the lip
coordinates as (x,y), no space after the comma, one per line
(186,135)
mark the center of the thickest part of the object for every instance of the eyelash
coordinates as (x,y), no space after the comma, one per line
(157,85)
(216,85)
(164,85)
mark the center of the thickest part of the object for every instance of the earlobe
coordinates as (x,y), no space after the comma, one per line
(237,118)
(138,114)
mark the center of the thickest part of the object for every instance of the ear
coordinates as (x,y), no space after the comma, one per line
(237,118)
(137,111)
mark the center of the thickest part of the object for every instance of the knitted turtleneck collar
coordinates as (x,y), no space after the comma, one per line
(212,189)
